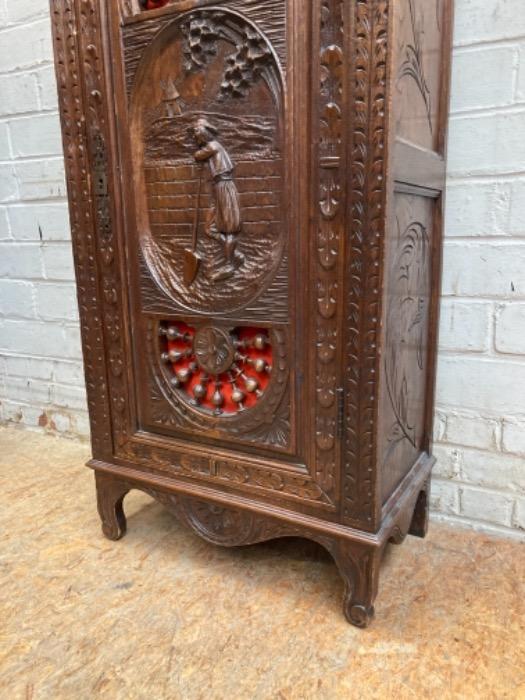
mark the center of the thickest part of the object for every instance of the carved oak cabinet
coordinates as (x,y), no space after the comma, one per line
(255,191)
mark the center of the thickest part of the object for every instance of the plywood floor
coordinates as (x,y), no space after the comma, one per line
(162,614)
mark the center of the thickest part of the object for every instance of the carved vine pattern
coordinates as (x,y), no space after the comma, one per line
(242,69)
(368,165)
(413,66)
(329,224)
(407,313)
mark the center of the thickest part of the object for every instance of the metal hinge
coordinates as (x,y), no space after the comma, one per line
(340,411)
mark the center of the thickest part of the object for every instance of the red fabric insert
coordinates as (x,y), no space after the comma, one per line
(229,406)
(153,4)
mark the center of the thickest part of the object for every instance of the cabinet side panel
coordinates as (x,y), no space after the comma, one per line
(420,95)
(404,363)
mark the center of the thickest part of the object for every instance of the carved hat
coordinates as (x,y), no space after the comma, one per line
(203,123)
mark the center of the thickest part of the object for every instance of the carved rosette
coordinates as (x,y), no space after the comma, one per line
(364,255)
(219,369)
(326,265)
(267,421)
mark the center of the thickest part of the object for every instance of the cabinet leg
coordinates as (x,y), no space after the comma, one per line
(110,496)
(419,524)
(359,566)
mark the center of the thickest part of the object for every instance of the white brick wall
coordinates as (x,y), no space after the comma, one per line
(41,377)
(480,422)
(480,425)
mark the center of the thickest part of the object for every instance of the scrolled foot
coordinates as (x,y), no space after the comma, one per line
(359,566)
(110,497)
(115,528)
(358,615)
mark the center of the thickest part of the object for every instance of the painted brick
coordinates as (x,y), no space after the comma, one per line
(444,497)
(5,231)
(68,373)
(510,329)
(480,209)
(449,462)
(440,426)
(25,46)
(19,93)
(5,148)
(40,222)
(47,369)
(58,262)
(488,20)
(24,10)
(16,412)
(519,514)
(465,326)
(8,184)
(487,386)
(520,84)
(503,148)
(16,299)
(489,470)
(47,87)
(514,436)
(70,397)
(486,505)
(20,263)
(471,92)
(80,423)
(56,301)
(516,225)
(40,338)
(35,367)
(41,179)
(28,390)
(484,269)
(36,136)
(472,431)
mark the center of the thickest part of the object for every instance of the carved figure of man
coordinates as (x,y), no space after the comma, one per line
(224,221)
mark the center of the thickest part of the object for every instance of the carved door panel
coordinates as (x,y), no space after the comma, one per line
(223,263)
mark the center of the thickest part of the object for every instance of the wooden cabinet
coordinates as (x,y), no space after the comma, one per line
(255,189)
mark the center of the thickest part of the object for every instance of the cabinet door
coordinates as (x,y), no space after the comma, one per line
(215,156)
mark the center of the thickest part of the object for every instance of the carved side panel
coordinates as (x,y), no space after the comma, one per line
(404,362)
(418,66)
(365,234)
(329,198)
